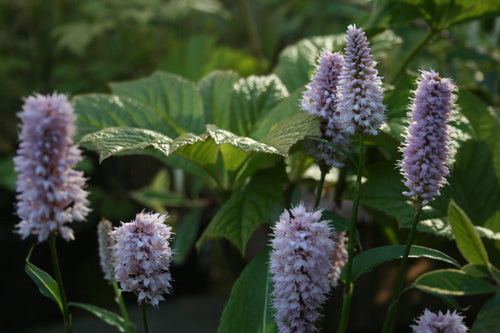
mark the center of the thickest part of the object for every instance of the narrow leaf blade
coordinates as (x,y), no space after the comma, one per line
(452,282)
(107,316)
(45,283)
(369,259)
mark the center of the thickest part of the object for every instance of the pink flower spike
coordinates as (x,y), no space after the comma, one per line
(320,99)
(142,257)
(300,264)
(425,151)
(360,93)
(50,192)
(430,322)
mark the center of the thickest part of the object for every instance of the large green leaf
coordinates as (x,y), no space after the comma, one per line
(249,308)
(487,319)
(216,89)
(176,100)
(252,98)
(46,284)
(98,111)
(466,237)
(452,282)
(247,208)
(369,259)
(107,316)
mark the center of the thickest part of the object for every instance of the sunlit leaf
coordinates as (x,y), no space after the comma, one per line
(452,282)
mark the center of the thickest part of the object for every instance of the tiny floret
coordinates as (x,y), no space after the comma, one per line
(300,263)
(426,146)
(142,257)
(105,243)
(430,322)
(360,93)
(320,99)
(50,193)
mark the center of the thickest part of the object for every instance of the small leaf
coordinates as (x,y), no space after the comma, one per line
(46,284)
(452,282)
(487,319)
(468,241)
(107,316)
(249,309)
(369,259)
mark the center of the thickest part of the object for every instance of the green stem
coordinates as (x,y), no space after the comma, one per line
(320,188)
(57,269)
(123,308)
(349,285)
(144,318)
(413,53)
(402,273)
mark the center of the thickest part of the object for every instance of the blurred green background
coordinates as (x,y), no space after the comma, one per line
(78,47)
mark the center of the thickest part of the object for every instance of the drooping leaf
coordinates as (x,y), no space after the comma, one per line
(468,241)
(176,100)
(249,308)
(107,316)
(487,319)
(452,282)
(369,259)
(46,284)
(247,208)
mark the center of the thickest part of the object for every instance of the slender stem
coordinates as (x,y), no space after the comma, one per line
(320,188)
(401,274)
(57,269)
(144,318)
(349,285)
(123,308)
(413,53)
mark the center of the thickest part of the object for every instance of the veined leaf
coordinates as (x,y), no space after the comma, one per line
(468,241)
(247,208)
(176,100)
(252,98)
(368,259)
(216,89)
(46,284)
(452,282)
(98,111)
(249,309)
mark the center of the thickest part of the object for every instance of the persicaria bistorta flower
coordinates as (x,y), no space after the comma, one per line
(430,322)
(300,263)
(360,93)
(339,256)
(105,243)
(50,192)
(320,99)
(142,257)
(426,148)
